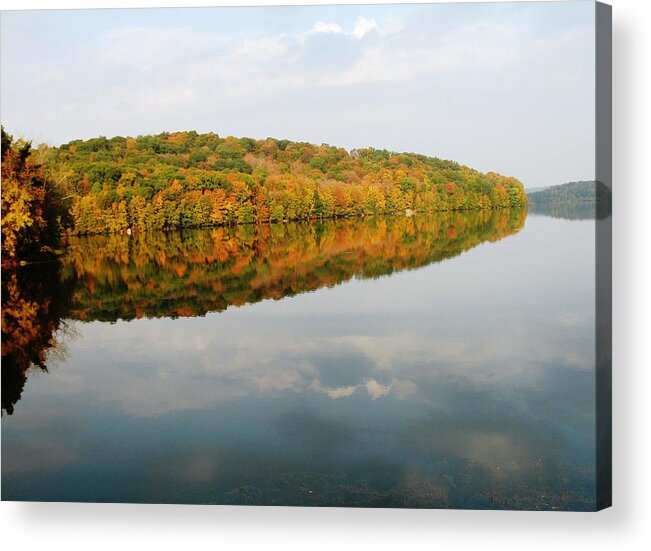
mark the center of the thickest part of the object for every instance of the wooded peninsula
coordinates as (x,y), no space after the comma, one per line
(186,179)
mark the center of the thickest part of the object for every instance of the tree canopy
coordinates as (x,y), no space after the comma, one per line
(186,179)
(32,210)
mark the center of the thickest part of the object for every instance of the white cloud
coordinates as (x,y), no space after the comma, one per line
(422,64)
(339,392)
(326,28)
(376,390)
(364,26)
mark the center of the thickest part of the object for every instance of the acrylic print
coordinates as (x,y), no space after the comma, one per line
(351,256)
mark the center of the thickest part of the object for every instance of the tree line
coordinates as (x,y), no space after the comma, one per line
(186,179)
(570,192)
(573,200)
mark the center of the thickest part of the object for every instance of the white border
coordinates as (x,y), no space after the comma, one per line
(625,526)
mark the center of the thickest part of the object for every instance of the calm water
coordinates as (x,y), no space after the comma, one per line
(432,361)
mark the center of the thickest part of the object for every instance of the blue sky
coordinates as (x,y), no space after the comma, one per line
(504,87)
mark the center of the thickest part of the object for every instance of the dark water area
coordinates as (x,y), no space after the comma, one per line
(434,361)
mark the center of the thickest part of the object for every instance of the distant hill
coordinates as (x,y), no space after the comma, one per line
(572,192)
(573,200)
(535,189)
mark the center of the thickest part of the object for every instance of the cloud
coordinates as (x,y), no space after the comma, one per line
(476,72)
(326,28)
(229,364)
(263,49)
(364,26)
(336,393)
(143,47)
(376,390)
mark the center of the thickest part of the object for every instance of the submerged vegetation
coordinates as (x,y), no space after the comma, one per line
(186,179)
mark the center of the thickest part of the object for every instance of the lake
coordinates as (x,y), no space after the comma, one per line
(443,360)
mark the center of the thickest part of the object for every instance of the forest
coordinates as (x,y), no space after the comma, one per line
(186,179)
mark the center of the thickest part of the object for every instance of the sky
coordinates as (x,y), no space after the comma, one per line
(505,87)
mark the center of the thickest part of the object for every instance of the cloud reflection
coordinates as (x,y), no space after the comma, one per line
(366,393)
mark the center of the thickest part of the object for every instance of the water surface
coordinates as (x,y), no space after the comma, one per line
(435,361)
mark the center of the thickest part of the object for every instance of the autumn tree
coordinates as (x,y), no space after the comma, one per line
(32,209)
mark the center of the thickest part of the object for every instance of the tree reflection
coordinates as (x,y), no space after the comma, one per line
(34,302)
(194,272)
(158,274)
